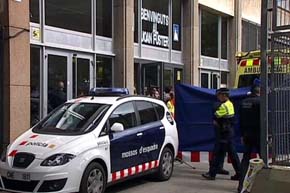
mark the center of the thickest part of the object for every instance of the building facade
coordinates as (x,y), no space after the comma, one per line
(70,46)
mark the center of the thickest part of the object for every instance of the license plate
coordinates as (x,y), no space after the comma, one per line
(18,176)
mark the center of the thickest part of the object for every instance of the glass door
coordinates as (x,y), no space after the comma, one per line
(215,80)
(56,82)
(66,75)
(82,74)
(151,79)
(204,80)
(209,79)
(168,78)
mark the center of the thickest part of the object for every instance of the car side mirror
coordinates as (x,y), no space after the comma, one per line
(117,127)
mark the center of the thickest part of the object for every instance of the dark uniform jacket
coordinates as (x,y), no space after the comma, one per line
(250,118)
(224,117)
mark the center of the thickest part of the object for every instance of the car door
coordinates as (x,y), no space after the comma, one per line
(124,145)
(152,129)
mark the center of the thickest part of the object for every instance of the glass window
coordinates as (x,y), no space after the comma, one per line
(245,36)
(146,112)
(283,13)
(224,78)
(35,85)
(155,22)
(81,76)
(69,14)
(34,10)
(253,31)
(104,18)
(124,114)
(250,36)
(224,36)
(104,72)
(151,83)
(176,24)
(214,81)
(57,81)
(71,118)
(136,21)
(137,79)
(168,78)
(247,80)
(204,80)
(160,110)
(209,34)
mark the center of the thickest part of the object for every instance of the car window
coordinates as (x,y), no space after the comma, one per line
(247,80)
(160,110)
(146,112)
(71,118)
(124,114)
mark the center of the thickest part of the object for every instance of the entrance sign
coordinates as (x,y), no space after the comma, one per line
(156,20)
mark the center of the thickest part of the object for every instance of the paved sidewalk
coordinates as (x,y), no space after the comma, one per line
(184,180)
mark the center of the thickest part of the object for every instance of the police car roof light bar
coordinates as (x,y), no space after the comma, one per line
(100,91)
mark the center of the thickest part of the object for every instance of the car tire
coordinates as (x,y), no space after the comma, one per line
(165,165)
(94,179)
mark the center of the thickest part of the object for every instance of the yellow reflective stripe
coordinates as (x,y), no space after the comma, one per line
(250,62)
(221,111)
(226,110)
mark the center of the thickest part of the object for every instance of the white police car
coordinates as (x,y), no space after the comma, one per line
(91,142)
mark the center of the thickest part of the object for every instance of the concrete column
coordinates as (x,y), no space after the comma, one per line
(124,43)
(16,69)
(235,41)
(191,48)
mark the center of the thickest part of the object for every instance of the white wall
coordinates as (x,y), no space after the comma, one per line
(225,6)
(251,10)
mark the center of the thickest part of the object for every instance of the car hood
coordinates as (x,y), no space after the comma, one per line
(42,145)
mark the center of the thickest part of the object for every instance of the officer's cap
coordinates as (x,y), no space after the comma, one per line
(223,91)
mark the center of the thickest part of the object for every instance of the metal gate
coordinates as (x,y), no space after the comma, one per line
(279,98)
(279,84)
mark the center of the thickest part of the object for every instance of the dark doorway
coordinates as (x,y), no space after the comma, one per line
(152,79)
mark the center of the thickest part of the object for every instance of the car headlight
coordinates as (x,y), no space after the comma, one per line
(3,155)
(58,159)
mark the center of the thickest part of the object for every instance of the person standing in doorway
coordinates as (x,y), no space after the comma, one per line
(58,95)
(171,103)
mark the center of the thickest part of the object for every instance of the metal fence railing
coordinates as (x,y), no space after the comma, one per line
(279,98)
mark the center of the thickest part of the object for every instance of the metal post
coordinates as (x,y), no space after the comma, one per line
(264,82)
(1,86)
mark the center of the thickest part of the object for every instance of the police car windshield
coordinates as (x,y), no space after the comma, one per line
(71,118)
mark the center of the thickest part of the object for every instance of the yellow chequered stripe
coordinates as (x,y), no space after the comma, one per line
(250,62)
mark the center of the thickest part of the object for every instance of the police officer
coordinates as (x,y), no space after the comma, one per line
(250,128)
(223,122)
(171,103)
(221,166)
(221,169)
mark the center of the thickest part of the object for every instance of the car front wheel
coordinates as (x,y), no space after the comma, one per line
(165,165)
(94,179)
